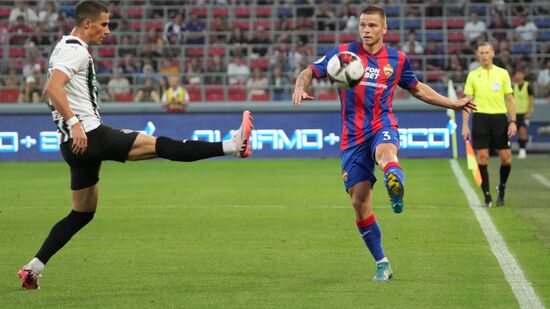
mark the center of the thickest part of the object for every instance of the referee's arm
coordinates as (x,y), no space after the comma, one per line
(511,107)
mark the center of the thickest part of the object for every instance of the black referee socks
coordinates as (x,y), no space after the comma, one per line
(187,151)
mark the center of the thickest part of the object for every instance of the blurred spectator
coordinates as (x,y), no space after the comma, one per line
(219,23)
(237,71)
(147,93)
(19,31)
(127,46)
(543,81)
(150,50)
(526,30)
(434,8)
(499,28)
(261,37)
(498,7)
(412,46)
(520,7)
(147,72)
(216,71)
(238,41)
(280,84)
(194,72)
(348,19)
(129,65)
(41,35)
(11,79)
(175,98)
(22,9)
(435,61)
(48,15)
(412,9)
(174,30)
(326,18)
(114,16)
(152,37)
(118,84)
(61,27)
(31,93)
(543,55)
(503,56)
(167,67)
(195,30)
(257,84)
(3,34)
(305,8)
(474,30)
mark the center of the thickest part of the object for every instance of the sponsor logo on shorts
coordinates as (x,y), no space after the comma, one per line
(345,176)
(126,131)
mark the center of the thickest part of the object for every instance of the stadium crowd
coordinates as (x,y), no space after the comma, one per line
(239,50)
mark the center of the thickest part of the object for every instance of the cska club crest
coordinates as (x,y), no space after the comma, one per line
(345,176)
(388,70)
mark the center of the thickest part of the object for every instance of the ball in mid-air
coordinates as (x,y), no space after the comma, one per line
(345,70)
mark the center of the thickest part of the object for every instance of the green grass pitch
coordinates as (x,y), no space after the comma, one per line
(266,234)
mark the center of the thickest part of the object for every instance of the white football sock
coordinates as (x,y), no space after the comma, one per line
(384,259)
(36,265)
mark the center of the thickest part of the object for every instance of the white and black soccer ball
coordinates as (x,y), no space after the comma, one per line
(345,70)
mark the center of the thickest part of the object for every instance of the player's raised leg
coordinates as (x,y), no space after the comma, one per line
(147,147)
(387,143)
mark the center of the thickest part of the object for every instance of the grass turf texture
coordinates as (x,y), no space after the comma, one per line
(263,233)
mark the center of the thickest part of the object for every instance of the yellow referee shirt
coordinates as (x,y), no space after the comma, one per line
(488,88)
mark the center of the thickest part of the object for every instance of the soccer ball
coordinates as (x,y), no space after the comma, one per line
(345,70)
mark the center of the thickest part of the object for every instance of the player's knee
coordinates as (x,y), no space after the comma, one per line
(81,218)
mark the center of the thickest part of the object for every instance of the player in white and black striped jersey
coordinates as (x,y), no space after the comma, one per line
(71,93)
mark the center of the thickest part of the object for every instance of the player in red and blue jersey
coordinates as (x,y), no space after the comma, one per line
(369,126)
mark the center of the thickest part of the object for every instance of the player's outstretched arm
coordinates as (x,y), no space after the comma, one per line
(425,93)
(302,83)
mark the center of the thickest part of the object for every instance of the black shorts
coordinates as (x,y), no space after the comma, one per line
(104,143)
(490,131)
(520,121)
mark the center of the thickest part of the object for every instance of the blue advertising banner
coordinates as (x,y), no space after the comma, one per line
(275,135)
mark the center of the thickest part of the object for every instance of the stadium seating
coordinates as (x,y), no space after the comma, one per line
(9,95)
(124,97)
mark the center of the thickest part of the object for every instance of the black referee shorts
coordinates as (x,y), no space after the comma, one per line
(104,143)
(490,131)
(520,121)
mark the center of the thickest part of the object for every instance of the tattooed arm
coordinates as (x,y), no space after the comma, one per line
(303,81)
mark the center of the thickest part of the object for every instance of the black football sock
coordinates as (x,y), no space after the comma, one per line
(522,143)
(484,179)
(504,173)
(187,151)
(62,232)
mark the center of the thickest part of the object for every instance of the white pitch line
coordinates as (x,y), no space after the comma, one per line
(543,180)
(522,289)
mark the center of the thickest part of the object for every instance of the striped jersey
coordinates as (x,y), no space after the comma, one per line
(367,107)
(71,57)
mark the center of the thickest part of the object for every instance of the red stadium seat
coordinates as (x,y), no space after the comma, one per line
(455,36)
(195,51)
(9,95)
(1,52)
(242,12)
(135,25)
(236,94)
(106,63)
(124,97)
(433,24)
(214,94)
(326,38)
(263,11)
(262,23)
(327,95)
(393,37)
(5,12)
(219,51)
(243,24)
(194,94)
(348,37)
(106,52)
(110,40)
(200,12)
(260,97)
(455,23)
(221,12)
(134,12)
(259,63)
(155,24)
(17,52)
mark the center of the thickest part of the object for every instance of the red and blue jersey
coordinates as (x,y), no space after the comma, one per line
(367,107)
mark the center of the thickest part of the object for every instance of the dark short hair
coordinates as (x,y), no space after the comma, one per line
(89,9)
(375,9)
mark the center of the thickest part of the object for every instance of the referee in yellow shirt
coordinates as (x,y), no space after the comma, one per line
(490,87)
